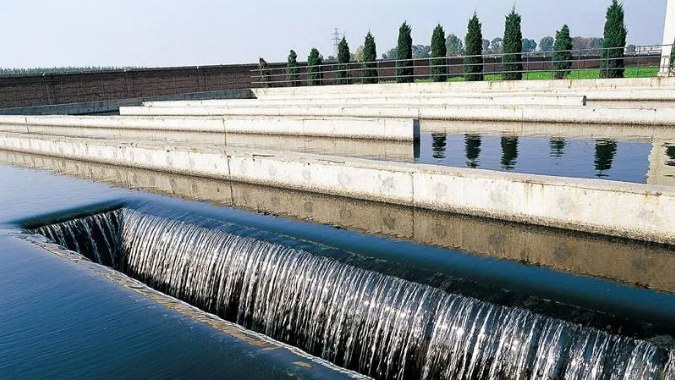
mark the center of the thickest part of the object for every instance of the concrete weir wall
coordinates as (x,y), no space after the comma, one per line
(612,208)
(389,100)
(395,129)
(653,83)
(507,113)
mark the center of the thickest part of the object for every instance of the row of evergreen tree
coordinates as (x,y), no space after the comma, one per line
(612,65)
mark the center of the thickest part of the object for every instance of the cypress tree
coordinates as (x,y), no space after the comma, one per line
(343,57)
(512,61)
(292,73)
(562,53)
(473,50)
(314,70)
(404,67)
(369,72)
(672,56)
(614,42)
(438,54)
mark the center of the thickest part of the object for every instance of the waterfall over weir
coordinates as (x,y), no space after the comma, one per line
(376,324)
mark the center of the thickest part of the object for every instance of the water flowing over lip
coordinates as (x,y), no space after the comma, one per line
(368,321)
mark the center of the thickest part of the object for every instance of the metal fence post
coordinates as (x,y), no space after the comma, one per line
(527,66)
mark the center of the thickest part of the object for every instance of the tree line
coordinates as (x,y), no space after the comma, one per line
(472,49)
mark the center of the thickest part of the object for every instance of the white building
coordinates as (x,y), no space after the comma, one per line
(668,37)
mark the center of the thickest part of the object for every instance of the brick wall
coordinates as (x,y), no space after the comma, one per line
(109,85)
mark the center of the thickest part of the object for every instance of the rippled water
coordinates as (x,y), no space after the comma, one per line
(380,325)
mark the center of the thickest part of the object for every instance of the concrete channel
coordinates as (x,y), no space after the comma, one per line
(611,208)
(650,266)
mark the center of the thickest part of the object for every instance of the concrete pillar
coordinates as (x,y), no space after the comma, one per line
(668,37)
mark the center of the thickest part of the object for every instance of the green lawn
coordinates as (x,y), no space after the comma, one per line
(631,72)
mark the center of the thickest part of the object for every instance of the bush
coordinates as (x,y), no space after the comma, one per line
(404,67)
(512,61)
(438,62)
(473,49)
(562,55)
(614,42)
(314,70)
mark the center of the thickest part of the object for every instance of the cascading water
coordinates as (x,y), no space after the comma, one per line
(376,324)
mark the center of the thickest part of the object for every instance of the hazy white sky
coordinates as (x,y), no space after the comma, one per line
(202,32)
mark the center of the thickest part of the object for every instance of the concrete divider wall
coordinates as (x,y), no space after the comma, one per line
(653,83)
(511,113)
(367,148)
(398,129)
(611,208)
(399,101)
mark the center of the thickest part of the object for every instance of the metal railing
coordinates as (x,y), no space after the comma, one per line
(644,61)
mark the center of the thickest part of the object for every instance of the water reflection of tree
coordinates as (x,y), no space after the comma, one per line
(509,152)
(438,145)
(472,147)
(604,156)
(557,147)
(670,152)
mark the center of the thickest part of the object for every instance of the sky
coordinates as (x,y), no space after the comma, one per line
(46,33)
